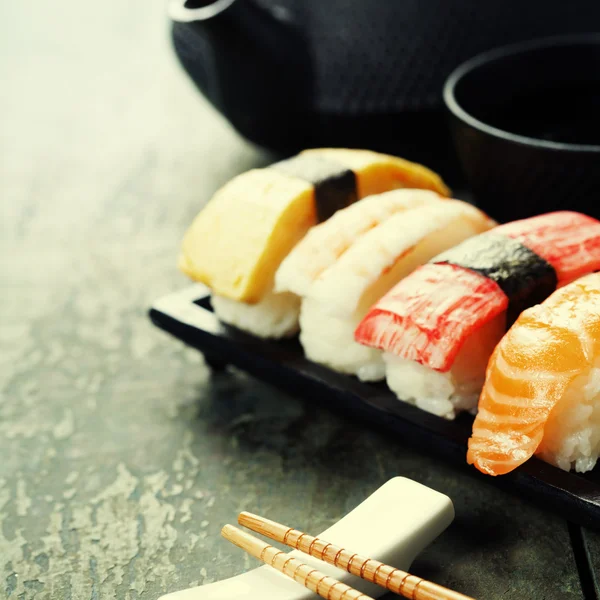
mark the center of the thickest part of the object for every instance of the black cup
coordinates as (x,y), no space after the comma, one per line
(526,123)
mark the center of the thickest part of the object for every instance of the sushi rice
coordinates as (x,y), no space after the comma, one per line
(445,394)
(572,433)
(275,316)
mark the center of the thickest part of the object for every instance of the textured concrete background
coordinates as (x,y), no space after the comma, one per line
(121,456)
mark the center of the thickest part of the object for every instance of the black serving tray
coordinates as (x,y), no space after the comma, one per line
(188,316)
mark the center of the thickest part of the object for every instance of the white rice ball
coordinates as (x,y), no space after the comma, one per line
(275,316)
(572,432)
(447,394)
(329,340)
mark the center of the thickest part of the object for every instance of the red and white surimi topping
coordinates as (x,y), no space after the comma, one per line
(569,241)
(428,316)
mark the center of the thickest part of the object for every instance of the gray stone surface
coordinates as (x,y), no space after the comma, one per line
(122,456)
(592,542)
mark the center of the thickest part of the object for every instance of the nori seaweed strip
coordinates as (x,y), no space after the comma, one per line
(524,277)
(335,185)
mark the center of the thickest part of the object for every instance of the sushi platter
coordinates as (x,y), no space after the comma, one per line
(188,315)
(415,312)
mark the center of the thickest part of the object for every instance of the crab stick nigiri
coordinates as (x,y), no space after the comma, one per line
(542,388)
(439,326)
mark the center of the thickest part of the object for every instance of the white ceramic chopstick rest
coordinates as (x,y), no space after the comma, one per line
(392,525)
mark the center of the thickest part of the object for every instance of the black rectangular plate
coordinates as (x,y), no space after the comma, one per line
(188,316)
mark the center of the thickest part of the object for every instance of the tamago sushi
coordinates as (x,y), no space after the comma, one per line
(239,239)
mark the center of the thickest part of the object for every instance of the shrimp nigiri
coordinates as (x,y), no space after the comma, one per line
(338,290)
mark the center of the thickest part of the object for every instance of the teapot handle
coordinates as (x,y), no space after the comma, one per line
(184,11)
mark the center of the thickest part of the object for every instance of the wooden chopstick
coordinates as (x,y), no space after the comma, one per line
(314,580)
(395,580)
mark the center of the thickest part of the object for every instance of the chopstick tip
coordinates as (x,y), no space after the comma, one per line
(228,531)
(244,517)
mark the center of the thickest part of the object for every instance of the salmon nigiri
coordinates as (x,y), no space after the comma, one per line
(542,389)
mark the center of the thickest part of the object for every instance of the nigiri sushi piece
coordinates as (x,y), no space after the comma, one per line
(339,297)
(439,326)
(237,242)
(542,388)
(323,245)
(277,314)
